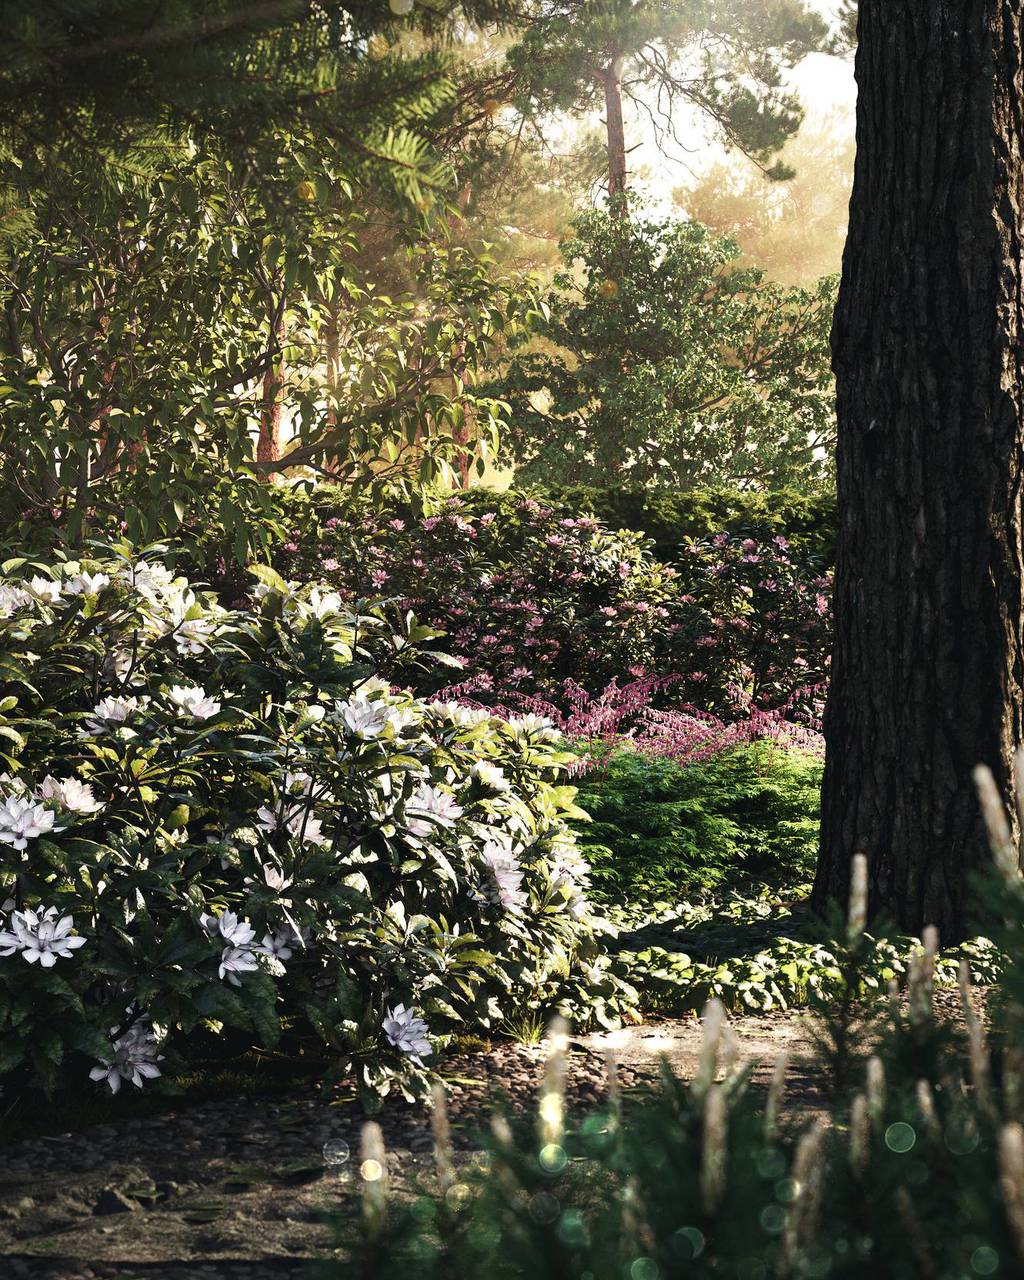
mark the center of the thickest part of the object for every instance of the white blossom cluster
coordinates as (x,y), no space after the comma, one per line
(133,1058)
(41,936)
(240,950)
(27,814)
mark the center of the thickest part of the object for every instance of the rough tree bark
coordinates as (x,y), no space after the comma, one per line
(927,674)
(611,77)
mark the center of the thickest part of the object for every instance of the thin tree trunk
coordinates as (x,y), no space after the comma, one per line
(928,665)
(268,446)
(611,77)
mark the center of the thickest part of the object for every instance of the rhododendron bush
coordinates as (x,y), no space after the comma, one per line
(530,597)
(236,820)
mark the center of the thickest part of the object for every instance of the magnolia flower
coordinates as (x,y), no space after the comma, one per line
(195,700)
(226,924)
(86,584)
(133,1058)
(22,820)
(368,720)
(262,590)
(531,726)
(429,808)
(112,714)
(318,604)
(44,589)
(507,876)
(151,577)
(490,776)
(11,599)
(279,945)
(181,615)
(407,1032)
(40,935)
(298,822)
(275,879)
(236,960)
(463,717)
(70,794)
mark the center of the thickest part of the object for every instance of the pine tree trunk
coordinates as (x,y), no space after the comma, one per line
(612,79)
(928,668)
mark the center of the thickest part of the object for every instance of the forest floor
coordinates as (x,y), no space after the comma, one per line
(235,1188)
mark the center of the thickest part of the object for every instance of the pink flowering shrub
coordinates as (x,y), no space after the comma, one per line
(753,626)
(526,598)
(536,603)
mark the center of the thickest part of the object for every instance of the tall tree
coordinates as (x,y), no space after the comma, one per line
(928,674)
(725,59)
(661,362)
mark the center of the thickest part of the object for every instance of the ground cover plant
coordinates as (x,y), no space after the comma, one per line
(665,829)
(911,1163)
(238,821)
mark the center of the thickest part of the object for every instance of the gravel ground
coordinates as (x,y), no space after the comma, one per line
(235,1189)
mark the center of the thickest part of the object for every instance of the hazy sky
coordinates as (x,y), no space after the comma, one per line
(825,85)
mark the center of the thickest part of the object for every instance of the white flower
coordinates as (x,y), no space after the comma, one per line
(11,599)
(226,924)
(112,714)
(296,821)
(460,716)
(262,589)
(531,726)
(490,776)
(86,584)
(181,615)
(235,960)
(318,604)
(40,935)
(14,786)
(407,1032)
(22,820)
(275,879)
(368,720)
(44,589)
(279,945)
(70,794)
(429,808)
(507,877)
(133,1058)
(151,577)
(195,700)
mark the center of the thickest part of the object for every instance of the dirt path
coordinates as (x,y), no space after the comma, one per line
(234,1189)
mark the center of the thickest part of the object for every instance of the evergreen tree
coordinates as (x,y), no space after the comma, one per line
(664,363)
(725,58)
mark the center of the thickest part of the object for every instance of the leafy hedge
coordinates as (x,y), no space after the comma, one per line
(672,517)
(237,821)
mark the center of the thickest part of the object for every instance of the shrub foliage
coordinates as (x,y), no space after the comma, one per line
(237,820)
